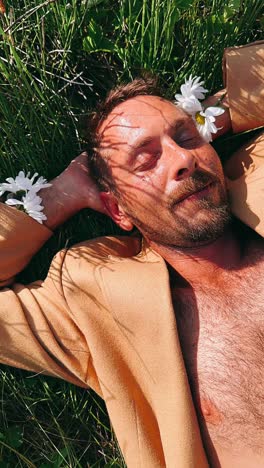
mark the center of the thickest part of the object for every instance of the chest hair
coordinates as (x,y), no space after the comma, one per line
(221,329)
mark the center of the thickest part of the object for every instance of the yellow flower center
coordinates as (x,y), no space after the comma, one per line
(200,119)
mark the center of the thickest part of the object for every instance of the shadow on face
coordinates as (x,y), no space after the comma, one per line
(168,182)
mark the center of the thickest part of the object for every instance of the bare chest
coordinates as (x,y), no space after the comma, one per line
(222,337)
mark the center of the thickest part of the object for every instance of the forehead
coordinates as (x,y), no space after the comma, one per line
(138,117)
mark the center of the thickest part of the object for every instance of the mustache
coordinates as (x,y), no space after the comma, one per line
(196,182)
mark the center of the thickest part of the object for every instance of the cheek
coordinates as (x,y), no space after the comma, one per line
(156,179)
(145,189)
(153,186)
(210,160)
(143,193)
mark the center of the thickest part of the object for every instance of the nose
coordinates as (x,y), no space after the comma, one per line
(183,161)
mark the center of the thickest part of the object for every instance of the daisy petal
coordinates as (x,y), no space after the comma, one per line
(215,111)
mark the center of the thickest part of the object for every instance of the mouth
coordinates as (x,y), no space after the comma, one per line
(203,191)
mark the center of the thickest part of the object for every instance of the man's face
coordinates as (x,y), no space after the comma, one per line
(169,182)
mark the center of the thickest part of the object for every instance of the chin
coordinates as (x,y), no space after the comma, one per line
(208,226)
(181,230)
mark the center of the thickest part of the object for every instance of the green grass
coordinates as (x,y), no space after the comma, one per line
(57,58)
(48,423)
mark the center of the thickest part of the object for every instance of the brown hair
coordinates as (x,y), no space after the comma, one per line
(98,165)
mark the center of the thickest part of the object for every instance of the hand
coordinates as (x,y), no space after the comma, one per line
(70,192)
(75,182)
(223,122)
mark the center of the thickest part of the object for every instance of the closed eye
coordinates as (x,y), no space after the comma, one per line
(189,143)
(147,161)
(188,138)
(187,135)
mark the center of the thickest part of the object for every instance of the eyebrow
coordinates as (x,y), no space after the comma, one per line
(148,139)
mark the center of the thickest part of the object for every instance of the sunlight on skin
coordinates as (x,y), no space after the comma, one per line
(154,149)
(170,183)
(70,192)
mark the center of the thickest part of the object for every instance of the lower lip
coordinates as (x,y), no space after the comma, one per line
(197,195)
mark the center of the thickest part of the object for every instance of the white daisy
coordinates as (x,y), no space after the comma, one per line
(30,204)
(192,88)
(23,182)
(8,186)
(40,184)
(191,105)
(204,118)
(205,122)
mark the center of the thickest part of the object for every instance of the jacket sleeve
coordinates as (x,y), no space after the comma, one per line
(37,329)
(245,181)
(20,238)
(243,71)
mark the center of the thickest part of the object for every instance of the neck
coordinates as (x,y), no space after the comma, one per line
(202,264)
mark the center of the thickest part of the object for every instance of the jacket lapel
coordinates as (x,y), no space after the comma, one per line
(138,292)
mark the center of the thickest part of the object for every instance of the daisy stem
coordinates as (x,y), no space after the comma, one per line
(220,100)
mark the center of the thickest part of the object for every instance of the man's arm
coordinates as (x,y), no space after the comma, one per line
(38,331)
(21,236)
(70,192)
(245,179)
(243,75)
(243,71)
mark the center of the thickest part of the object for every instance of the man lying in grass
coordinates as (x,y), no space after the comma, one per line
(183,395)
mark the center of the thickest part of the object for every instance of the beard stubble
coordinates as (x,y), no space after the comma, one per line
(187,231)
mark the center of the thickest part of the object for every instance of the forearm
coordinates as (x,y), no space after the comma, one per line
(20,238)
(69,193)
(21,235)
(38,331)
(243,69)
(59,202)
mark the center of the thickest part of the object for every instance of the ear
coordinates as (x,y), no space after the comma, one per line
(115,211)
